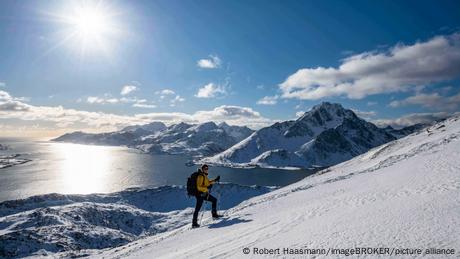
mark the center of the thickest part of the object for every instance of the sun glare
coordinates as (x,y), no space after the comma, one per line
(84,168)
(88,26)
(91,23)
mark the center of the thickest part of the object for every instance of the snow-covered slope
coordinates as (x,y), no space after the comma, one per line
(326,135)
(403,194)
(65,224)
(188,139)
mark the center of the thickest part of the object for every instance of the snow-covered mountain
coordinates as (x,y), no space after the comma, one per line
(196,140)
(118,138)
(403,194)
(188,139)
(126,136)
(151,127)
(326,135)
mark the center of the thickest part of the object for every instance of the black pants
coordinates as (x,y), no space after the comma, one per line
(199,202)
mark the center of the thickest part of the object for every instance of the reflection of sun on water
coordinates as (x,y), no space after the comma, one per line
(85,169)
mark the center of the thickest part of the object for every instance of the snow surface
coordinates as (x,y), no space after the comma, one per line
(403,194)
(70,225)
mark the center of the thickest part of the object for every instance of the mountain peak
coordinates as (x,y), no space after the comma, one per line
(153,126)
(206,126)
(181,126)
(325,112)
(328,105)
(223,125)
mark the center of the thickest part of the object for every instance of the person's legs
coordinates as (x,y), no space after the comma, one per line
(199,203)
(213,200)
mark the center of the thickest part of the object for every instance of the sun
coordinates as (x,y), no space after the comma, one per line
(91,23)
(88,26)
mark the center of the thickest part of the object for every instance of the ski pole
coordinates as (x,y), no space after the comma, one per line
(218,198)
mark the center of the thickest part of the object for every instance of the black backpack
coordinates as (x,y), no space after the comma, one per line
(191,184)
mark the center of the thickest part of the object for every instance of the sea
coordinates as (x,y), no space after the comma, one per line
(82,169)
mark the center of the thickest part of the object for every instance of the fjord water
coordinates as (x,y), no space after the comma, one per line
(82,169)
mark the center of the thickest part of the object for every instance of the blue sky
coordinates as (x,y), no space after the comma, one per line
(248,63)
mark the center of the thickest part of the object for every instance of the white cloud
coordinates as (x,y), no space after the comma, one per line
(101,100)
(235,115)
(433,101)
(176,100)
(10,108)
(268,100)
(210,63)
(364,114)
(144,105)
(108,99)
(411,119)
(128,89)
(132,100)
(9,103)
(211,90)
(401,68)
(165,92)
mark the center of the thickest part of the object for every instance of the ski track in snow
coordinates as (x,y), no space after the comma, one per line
(402,194)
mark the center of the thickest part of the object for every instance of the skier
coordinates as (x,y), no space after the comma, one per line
(202,185)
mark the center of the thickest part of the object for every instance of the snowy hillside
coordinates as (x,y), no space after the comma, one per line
(65,224)
(404,194)
(187,139)
(326,135)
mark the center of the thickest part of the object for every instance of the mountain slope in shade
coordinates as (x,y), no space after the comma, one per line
(403,194)
(326,135)
(399,133)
